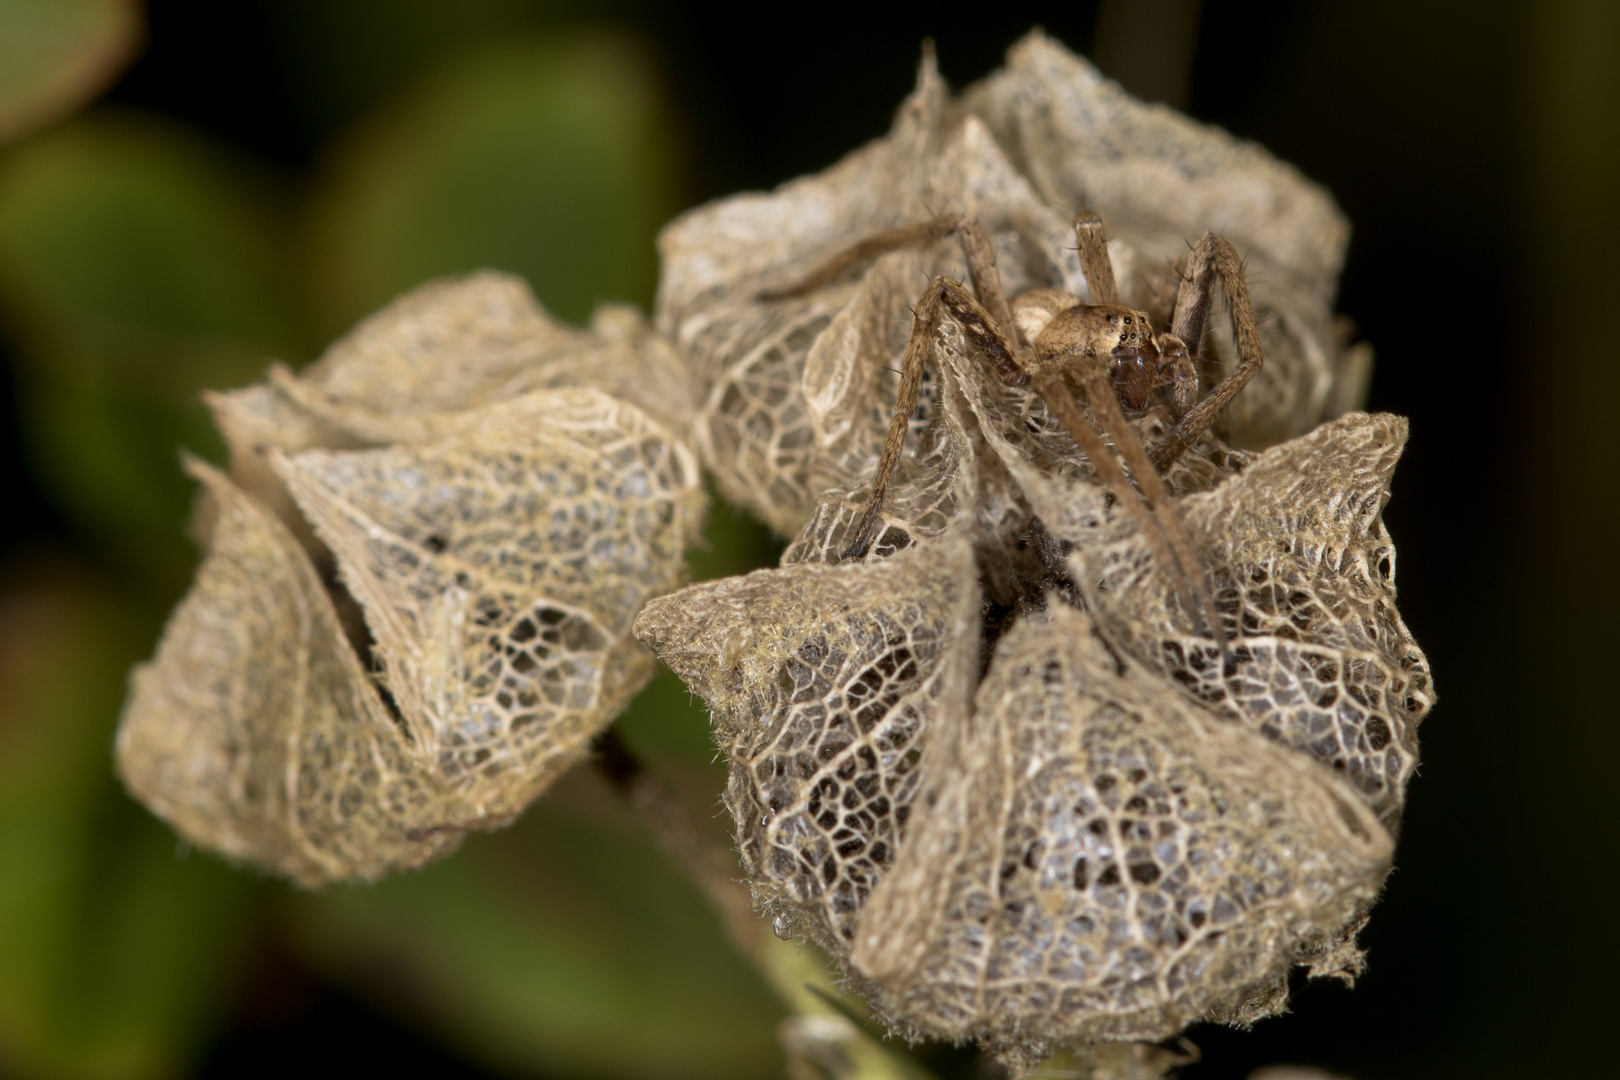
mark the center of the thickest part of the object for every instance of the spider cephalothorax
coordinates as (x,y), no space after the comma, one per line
(1055,325)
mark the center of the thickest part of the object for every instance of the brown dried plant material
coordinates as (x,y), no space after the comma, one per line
(409,622)
(256,730)
(1100,859)
(766,418)
(1231,823)
(824,682)
(1304,573)
(946,472)
(1326,664)
(850,386)
(791,386)
(1283,873)
(416,369)
(453,345)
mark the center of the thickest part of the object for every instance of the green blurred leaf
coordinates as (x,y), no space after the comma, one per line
(548,158)
(565,945)
(666,720)
(56,54)
(138,266)
(114,952)
(111,464)
(140,258)
(734,541)
(343,59)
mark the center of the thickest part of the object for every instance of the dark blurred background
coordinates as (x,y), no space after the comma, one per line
(266,171)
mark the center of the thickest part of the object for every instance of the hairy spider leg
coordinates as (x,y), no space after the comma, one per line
(980,328)
(1212,257)
(867,250)
(979,321)
(986,320)
(1094,261)
(1168,539)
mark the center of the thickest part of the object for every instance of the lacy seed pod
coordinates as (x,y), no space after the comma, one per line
(969,427)
(1241,807)
(1019,151)
(824,682)
(415,608)
(1304,572)
(1100,860)
(1057,844)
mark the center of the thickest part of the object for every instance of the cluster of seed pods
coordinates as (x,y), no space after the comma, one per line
(991,766)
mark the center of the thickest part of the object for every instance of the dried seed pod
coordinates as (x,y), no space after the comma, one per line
(1159,180)
(1304,574)
(1094,857)
(763,425)
(416,369)
(824,682)
(409,623)
(404,373)
(784,379)
(256,730)
(1281,874)
(1262,857)
(1295,546)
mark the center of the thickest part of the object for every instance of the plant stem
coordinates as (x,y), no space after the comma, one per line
(820,1040)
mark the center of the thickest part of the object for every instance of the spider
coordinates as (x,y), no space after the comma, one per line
(1048,340)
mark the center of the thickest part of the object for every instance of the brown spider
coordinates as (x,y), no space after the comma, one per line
(1048,339)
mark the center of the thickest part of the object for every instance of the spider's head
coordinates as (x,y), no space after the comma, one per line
(1132,327)
(1120,339)
(1134,358)
(1086,329)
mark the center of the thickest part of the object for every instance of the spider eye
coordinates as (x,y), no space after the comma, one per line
(1127,320)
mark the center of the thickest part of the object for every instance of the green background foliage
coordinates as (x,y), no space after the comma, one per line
(141,262)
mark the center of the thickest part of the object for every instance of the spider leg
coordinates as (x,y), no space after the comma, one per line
(981,328)
(873,246)
(1212,258)
(1151,508)
(986,277)
(1094,260)
(1155,518)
